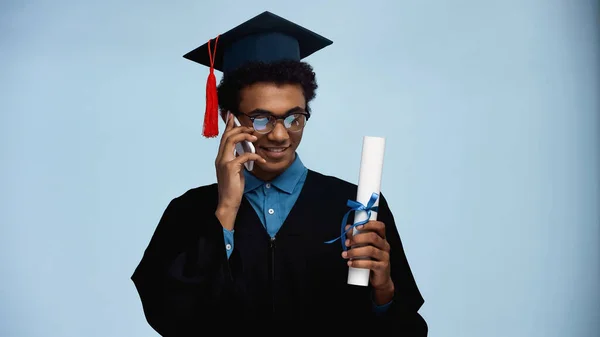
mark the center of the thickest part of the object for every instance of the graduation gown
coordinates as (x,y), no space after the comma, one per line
(187,284)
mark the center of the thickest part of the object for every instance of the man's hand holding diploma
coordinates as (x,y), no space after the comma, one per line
(370,250)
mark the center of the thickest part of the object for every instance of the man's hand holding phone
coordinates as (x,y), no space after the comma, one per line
(230,170)
(244,146)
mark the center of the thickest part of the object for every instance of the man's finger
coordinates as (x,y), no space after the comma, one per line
(369,238)
(231,141)
(369,264)
(247,157)
(231,130)
(363,252)
(375,226)
(348,232)
(228,127)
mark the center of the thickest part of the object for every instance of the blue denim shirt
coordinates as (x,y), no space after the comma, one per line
(273,201)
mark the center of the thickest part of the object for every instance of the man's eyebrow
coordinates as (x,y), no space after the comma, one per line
(256,112)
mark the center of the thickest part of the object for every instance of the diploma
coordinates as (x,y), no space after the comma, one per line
(369,182)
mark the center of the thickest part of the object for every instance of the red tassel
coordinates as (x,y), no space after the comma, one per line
(211,113)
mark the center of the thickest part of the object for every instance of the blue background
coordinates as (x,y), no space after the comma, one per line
(490,110)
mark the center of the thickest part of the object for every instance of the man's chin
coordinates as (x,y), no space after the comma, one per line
(269,167)
(273,166)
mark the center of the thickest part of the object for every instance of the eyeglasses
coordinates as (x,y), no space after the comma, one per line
(294,122)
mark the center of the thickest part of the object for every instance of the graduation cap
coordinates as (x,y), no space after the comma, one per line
(265,38)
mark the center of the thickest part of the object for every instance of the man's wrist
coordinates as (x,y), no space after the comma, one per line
(226,216)
(385,294)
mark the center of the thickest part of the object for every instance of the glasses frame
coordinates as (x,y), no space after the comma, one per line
(273,120)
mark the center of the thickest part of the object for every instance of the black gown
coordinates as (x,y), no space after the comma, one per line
(187,285)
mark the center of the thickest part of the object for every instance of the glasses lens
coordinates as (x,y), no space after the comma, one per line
(294,122)
(262,124)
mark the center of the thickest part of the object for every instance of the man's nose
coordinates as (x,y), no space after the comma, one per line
(279,133)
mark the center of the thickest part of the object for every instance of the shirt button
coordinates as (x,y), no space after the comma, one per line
(268,185)
(271,211)
(228,246)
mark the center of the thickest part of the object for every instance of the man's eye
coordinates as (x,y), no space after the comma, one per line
(260,122)
(261,119)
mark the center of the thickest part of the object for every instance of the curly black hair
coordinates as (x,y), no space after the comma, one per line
(283,72)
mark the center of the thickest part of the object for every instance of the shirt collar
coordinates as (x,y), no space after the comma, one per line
(286,181)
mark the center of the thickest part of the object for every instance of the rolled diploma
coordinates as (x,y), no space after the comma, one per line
(369,182)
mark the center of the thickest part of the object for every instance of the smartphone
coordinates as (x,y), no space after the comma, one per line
(243,147)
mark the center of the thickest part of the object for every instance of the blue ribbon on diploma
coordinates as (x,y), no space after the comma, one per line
(356,206)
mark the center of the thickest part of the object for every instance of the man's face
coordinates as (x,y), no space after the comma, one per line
(279,145)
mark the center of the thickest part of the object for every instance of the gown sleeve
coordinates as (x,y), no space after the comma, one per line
(402,315)
(184,275)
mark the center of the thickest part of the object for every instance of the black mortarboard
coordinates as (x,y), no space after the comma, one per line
(265,38)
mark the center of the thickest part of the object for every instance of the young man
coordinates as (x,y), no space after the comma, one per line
(251,247)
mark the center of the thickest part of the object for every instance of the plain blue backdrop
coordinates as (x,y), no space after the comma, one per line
(490,110)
